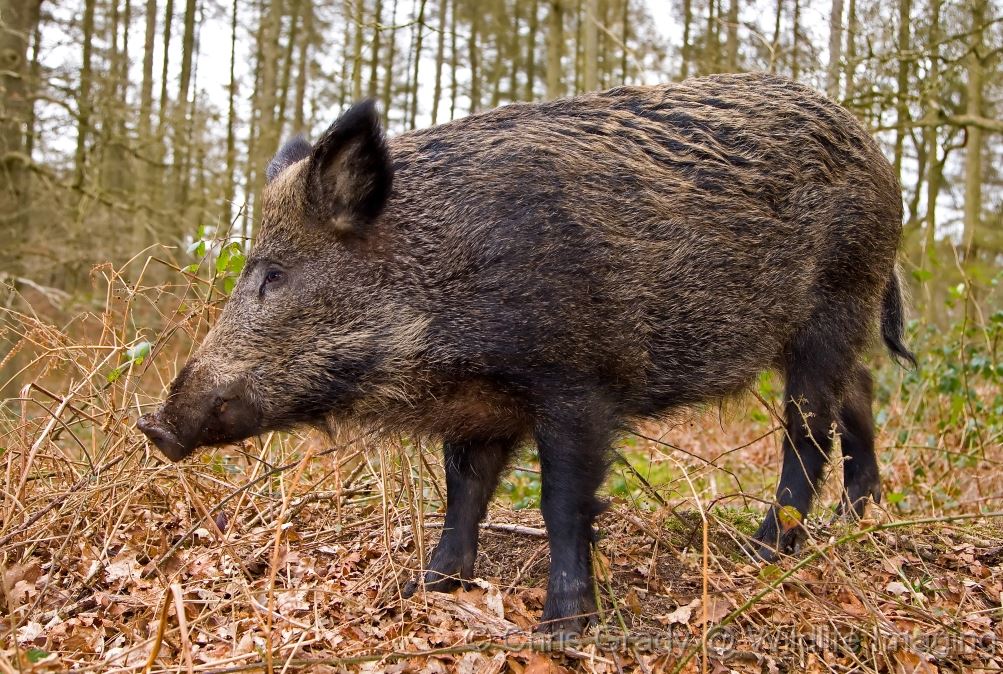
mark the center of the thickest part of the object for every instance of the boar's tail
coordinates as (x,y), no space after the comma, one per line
(893,321)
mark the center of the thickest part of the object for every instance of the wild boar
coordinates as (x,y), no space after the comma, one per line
(556,272)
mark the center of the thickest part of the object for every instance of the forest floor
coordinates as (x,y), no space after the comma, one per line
(289,552)
(153,567)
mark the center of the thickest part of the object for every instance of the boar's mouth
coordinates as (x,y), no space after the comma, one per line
(185,422)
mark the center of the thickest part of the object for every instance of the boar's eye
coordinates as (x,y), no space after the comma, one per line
(272,278)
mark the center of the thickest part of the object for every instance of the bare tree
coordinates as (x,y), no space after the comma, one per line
(835,48)
(973,147)
(20,19)
(732,43)
(902,83)
(555,46)
(440,56)
(590,78)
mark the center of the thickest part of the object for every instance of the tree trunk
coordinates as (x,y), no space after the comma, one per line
(286,81)
(34,81)
(231,121)
(388,77)
(973,148)
(733,36)
(20,19)
(84,97)
(374,60)
(931,136)
(710,40)
(116,170)
(835,49)
(902,88)
(686,51)
(417,65)
(162,111)
(624,41)
(475,76)
(534,25)
(555,45)
(360,20)
(344,79)
(146,88)
(299,123)
(406,108)
(182,124)
(850,66)
(514,53)
(590,76)
(795,33)
(576,84)
(267,139)
(454,87)
(775,42)
(440,56)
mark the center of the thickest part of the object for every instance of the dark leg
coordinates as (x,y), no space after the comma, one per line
(472,473)
(860,465)
(573,460)
(813,386)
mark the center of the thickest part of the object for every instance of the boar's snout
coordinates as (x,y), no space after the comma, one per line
(155,428)
(187,421)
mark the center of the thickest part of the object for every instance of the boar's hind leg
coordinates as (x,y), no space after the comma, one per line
(574,451)
(472,472)
(860,465)
(815,379)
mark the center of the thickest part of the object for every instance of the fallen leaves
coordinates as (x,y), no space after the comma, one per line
(336,597)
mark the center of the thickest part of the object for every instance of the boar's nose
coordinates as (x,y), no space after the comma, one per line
(166,440)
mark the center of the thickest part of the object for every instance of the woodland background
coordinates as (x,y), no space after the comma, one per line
(133,140)
(130,123)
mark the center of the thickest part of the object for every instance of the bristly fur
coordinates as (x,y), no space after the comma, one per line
(557,271)
(293,150)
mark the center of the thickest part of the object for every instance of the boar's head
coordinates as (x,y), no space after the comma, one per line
(301,331)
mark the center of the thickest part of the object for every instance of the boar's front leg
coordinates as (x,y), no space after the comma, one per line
(472,472)
(574,457)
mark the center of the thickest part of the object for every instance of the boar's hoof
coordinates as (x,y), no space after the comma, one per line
(771,541)
(434,582)
(565,628)
(567,617)
(854,501)
(451,565)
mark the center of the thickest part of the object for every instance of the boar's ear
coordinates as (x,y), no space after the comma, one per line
(295,149)
(350,172)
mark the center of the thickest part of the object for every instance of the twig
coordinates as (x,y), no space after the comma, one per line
(58,501)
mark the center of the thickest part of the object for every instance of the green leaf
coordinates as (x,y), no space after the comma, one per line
(789,517)
(36,655)
(114,375)
(193,268)
(770,573)
(137,352)
(222,260)
(236,264)
(922,275)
